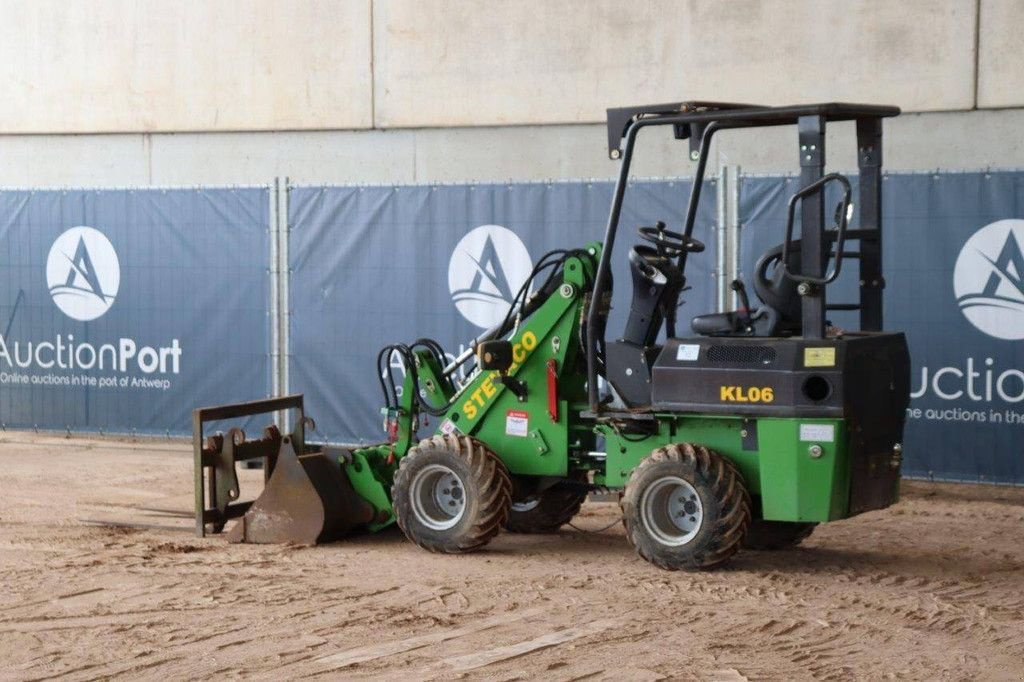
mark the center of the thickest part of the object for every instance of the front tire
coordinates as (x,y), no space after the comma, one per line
(451,494)
(686,507)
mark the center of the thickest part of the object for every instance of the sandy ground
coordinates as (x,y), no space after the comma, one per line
(930,589)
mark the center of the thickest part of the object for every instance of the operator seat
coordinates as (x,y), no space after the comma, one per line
(781,312)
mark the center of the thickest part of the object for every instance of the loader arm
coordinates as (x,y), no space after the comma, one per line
(531,430)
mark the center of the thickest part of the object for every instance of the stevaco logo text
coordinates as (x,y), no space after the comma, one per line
(749,394)
(486,390)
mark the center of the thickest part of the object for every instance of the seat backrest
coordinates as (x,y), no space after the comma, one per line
(775,289)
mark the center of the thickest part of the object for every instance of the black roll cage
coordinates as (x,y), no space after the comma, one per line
(698,122)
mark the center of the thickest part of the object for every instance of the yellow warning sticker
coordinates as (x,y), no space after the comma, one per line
(819,357)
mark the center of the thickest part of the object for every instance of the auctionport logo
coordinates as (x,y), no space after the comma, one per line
(486,270)
(84,276)
(989,280)
(83,273)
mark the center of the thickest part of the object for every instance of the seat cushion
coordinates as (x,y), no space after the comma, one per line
(716,323)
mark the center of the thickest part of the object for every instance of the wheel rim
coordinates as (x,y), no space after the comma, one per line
(438,497)
(671,510)
(526,505)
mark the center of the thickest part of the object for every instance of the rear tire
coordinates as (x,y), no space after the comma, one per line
(772,535)
(545,512)
(451,494)
(686,507)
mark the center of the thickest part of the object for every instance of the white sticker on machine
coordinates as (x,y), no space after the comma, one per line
(688,351)
(517,423)
(820,433)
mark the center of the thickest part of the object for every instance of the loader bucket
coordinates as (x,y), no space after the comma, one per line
(306,498)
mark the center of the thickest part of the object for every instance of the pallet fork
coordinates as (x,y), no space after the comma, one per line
(306,497)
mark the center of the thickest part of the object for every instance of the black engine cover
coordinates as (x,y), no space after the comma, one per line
(864,376)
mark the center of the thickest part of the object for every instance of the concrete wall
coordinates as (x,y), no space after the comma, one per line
(92,66)
(537,61)
(325,91)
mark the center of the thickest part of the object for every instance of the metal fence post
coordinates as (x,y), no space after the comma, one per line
(734,225)
(727,237)
(279,307)
(275,311)
(284,320)
(721,241)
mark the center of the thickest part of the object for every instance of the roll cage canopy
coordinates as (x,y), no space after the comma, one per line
(698,121)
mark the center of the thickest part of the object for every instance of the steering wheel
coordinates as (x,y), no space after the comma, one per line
(669,243)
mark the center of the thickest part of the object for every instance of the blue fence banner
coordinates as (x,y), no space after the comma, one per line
(954,271)
(378,265)
(121,310)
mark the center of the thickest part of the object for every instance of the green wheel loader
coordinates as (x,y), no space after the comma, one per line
(748,432)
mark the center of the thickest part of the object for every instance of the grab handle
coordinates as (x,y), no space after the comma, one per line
(840,237)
